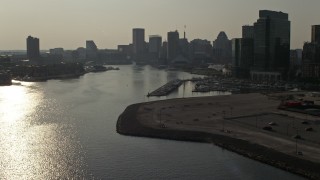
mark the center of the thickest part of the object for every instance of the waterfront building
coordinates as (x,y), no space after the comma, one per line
(155,42)
(56,51)
(311,55)
(236,56)
(91,51)
(173,48)
(311,60)
(55,55)
(163,53)
(126,50)
(243,53)
(112,56)
(295,57)
(33,48)
(5,62)
(81,54)
(184,48)
(315,34)
(138,41)
(69,56)
(242,57)
(271,46)
(200,51)
(247,56)
(222,49)
(180,61)
(154,47)
(248,31)
(138,44)
(295,63)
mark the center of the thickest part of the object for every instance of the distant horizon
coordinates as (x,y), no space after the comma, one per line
(110,23)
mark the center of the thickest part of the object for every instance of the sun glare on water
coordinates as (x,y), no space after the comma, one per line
(16,106)
(14,103)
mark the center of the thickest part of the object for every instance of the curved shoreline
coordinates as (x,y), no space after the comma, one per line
(128,124)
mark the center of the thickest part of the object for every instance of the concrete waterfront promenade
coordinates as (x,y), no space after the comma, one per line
(235,123)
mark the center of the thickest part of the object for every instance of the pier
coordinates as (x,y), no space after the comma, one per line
(167,88)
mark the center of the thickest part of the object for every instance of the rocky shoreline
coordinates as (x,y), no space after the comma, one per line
(129,125)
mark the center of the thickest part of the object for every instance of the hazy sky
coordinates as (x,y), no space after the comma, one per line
(68,23)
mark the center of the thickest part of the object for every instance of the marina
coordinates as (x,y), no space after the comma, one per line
(240,86)
(224,84)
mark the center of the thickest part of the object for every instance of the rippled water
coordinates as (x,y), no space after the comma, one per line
(67,129)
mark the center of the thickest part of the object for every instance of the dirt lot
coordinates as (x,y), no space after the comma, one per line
(239,116)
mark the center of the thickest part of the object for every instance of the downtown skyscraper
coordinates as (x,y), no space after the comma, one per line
(91,50)
(138,44)
(311,55)
(271,45)
(315,34)
(173,45)
(33,48)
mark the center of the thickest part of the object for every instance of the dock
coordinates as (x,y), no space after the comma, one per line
(167,88)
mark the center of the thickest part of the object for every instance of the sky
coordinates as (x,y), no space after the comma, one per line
(69,23)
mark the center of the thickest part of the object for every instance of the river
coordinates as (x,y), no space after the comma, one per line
(63,129)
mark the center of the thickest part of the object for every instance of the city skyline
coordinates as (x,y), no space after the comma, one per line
(68,25)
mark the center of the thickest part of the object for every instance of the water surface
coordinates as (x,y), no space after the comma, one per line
(67,129)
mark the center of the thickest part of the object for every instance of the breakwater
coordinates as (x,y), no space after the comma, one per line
(167,88)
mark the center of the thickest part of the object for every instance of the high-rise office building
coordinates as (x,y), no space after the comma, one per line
(201,46)
(295,58)
(222,49)
(91,50)
(125,49)
(163,53)
(236,54)
(247,53)
(311,60)
(271,45)
(200,51)
(82,53)
(139,46)
(91,46)
(248,31)
(184,47)
(173,45)
(242,57)
(155,43)
(311,55)
(154,49)
(56,51)
(33,48)
(138,41)
(315,34)
(243,53)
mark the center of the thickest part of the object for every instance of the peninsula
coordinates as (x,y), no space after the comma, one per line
(249,124)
